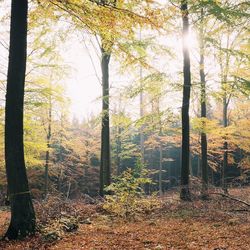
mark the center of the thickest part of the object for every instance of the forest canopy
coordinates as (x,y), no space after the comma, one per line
(99,97)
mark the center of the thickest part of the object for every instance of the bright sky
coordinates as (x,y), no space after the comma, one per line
(84,83)
(83,86)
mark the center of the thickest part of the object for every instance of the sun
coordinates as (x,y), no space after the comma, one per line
(190,40)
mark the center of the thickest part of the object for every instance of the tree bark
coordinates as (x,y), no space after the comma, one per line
(105,169)
(23,221)
(185,193)
(204,165)
(225,147)
(60,156)
(190,165)
(160,144)
(142,137)
(160,170)
(118,149)
(46,174)
(226,99)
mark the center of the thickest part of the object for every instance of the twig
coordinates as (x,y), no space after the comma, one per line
(240,210)
(232,198)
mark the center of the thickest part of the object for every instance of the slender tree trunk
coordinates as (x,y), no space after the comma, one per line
(46,174)
(142,137)
(160,171)
(199,165)
(60,179)
(185,193)
(105,172)
(226,99)
(204,165)
(160,143)
(118,149)
(22,212)
(225,147)
(87,166)
(60,157)
(118,140)
(68,191)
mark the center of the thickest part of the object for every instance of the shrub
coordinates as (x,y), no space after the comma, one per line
(127,198)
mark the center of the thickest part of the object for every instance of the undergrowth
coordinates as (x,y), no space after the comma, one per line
(128,199)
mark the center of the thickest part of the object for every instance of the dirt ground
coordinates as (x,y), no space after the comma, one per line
(219,224)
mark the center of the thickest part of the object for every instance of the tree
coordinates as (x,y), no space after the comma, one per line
(105,167)
(229,14)
(204,165)
(106,47)
(117,123)
(185,193)
(125,151)
(227,53)
(142,137)
(226,96)
(46,69)
(46,174)
(154,85)
(112,20)
(44,104)
(22,212)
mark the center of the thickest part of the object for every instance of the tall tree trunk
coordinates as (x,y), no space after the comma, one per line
(225,146)
(142,137)
(105,168)
(46,174)
(118,149)
(118,139)
(185,193)
(160,143)
(60,156)
(204,165)
(199,165)
(226,99)
(22,212)
(59,184)
(105,172)
(160,170)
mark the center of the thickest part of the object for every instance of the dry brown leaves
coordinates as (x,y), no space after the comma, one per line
(217,224)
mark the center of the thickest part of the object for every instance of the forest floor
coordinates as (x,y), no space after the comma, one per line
(217,224)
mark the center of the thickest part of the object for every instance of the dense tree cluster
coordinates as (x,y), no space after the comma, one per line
(176,118)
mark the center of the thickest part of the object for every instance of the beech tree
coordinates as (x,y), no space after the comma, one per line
(204,164)
(108,26)
(23,220)
(105,167)
(185,193)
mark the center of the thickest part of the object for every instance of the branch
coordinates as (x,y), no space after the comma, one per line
(126,11)
(4,45)
(92,62)
(175,5)
(232,198)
